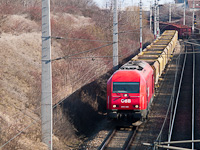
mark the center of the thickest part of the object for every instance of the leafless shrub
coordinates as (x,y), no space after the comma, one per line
(72,6)
(10,8)
(34,12)
(18,24)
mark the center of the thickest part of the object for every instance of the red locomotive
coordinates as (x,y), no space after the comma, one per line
(130,90)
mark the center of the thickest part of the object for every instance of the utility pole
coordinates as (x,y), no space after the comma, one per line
(155,20)
(46,99)
(158,28)
(115,35)
(140,25)
(193,18)
(150,17)
(170,12)
(184,14)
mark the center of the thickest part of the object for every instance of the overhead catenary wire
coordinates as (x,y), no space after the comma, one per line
(93,57)
(90,50)
(35,120)
(87,51)
(75,82)
(20,132)
(21,111)
(79,39)
(25,114)
(132,31)
(90,40)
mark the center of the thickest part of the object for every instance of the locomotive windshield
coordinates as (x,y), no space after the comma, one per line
(126,87)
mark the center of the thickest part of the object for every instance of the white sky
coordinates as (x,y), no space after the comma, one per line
(125,3)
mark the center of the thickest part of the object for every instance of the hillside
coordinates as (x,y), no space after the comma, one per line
(20,83)
(20,72)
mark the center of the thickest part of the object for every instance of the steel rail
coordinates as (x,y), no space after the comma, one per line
(192,43)
(107,139)
(172,98)
(193,98)
(130,139)
(111,134)
(177,97)
(191,53)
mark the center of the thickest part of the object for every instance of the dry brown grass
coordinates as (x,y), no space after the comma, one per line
(18,24)
(20,85)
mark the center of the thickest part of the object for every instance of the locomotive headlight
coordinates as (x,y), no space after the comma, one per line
(125,95)
(114,106)
(136,106)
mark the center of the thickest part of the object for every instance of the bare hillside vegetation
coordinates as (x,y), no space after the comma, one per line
(79,79)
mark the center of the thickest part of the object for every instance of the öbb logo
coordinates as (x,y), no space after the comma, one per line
(125,100)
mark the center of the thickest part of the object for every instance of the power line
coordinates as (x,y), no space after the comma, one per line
(87,51)
(77,39)
(93,57)
(18,134)
(23,116)
(70,56)
(22,111)
(89,40)
(132,31)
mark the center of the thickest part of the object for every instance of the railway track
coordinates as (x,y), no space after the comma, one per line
(185,124)
(119,138)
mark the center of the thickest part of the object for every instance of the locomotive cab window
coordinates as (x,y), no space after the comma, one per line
(126,87)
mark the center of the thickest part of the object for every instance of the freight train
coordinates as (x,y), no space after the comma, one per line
(184,31)
(130,90)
